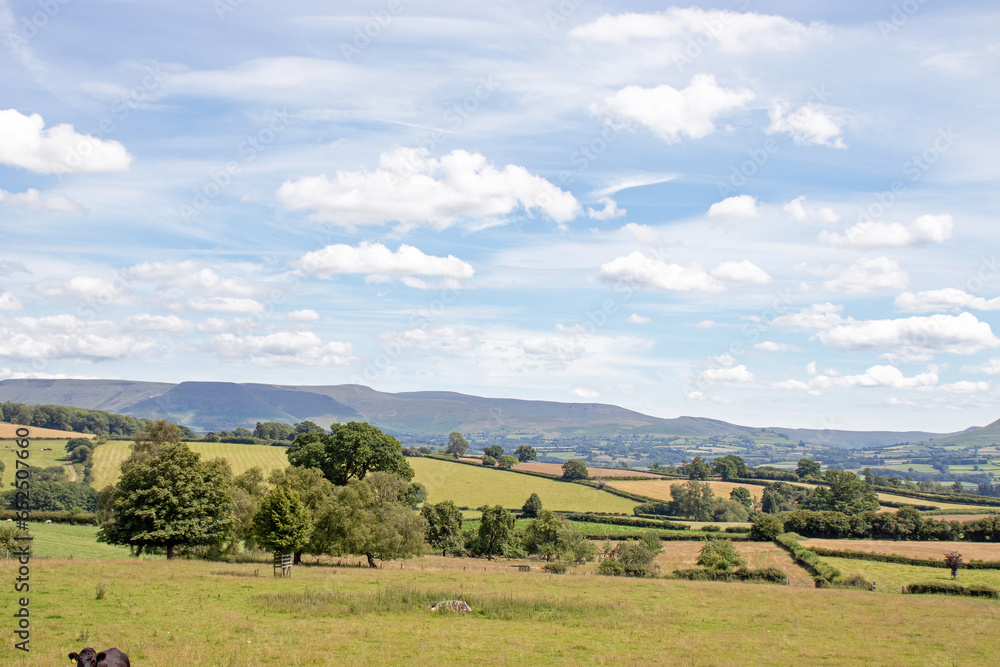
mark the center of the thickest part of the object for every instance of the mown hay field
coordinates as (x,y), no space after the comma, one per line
(970,550)
(660,488)
(9,431)
(198,613)
(109,456)
(892,576)
(556,469)
(473,486)
(57,540)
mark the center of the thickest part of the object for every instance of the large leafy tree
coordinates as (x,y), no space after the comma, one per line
(444,526)
(367,518)
(525,453)
(168,500)
(574,469)
(496,531)
(457,444)
(282,523)
(350,451)
(730,466)
(807,468)
(845,492)
(316,493)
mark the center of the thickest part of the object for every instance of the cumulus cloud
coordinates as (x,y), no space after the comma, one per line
(799,211)
(671,113)
(609,211)
(635,318)
(991,367)
(87,289)
(875,376)
(411,188)
(809,124)
(32,200)
(733,32)
(965,387)
(381,264)
(726,370)
(171,324)
(9,301)
(817,316)
(642,271)
(949,298)
(192,277)
(67,337)
(771,346)
(913,337)
(581,392)
(441,339)
(734,208)
(25,143)
(226,304)
(868,275)
(297,348)
(644,234)
(925,229)
(304,315)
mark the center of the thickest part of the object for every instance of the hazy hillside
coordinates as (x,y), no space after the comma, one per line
(213,406)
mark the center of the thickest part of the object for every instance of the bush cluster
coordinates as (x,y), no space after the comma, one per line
(952,589)
(767,574)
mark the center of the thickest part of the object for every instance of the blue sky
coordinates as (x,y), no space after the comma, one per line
(762,212)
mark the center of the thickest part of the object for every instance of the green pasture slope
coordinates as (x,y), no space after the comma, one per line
(43,454)
(473,486)
(57,540)
(166,613)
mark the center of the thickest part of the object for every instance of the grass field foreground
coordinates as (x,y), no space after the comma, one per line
(196,613)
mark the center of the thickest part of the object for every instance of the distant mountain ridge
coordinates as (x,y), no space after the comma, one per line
(215,406)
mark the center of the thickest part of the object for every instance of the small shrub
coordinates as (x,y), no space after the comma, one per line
(555,568)
(711,529)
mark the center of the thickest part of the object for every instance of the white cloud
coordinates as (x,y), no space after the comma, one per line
(642,271)
(991,367)
(633,181)
(868,275)
(948,298)
(875,376)
(84,288)
(727,370)
(817,316)
(798,211)
(635,318)
(441,339)
(304,315)
(733,32)
(8,301)
(771,346)
(913,337)
(809,124)
(382,264)
(33,200)
(298,348)
(609,211)
(644,234)
(671,113)
(192,277)
(741,273)
(734,208)
(171,324)
(706,324)
(965,387)
(226,304)
(67,337)
(411,188)
(580,392)
(925,229)
(25,143)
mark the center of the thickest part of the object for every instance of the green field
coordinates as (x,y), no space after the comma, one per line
(473,486)
(108,458)
(197,613)
(56,540)
(892,576)
(56,451)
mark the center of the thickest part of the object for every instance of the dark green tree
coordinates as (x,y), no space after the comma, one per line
(489,461)
(693,499)
(766,528)
(532,506)
(807,468)
(307,427)
(698,469)
(282,523)
(170,499)
(507,462)
(632,558)
(496,531)
(496,451)
(743,496)
(525,453)
(730,466)
(457,444)
(148,442)
(846,493)
(575,470)
(719,555)
(316,493)
(351,451)
(444,526)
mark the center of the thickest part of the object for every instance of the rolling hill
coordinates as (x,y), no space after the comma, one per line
(213,406)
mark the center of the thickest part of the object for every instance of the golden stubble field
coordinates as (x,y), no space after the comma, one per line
(197,613)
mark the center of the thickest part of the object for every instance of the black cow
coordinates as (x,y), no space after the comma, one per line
(112,657)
